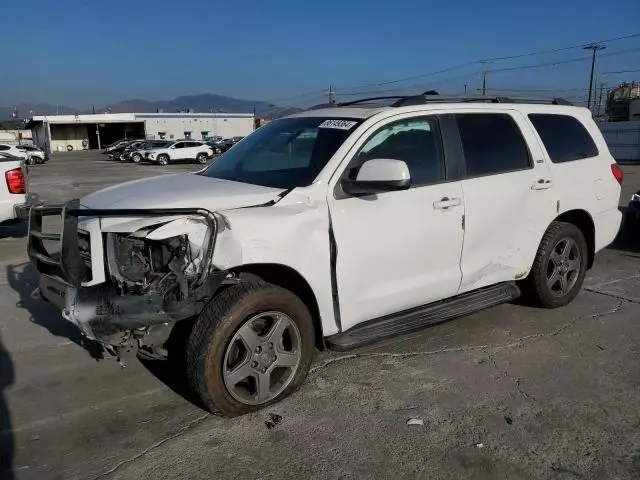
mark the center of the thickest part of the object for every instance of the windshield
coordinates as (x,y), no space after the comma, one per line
(286,153)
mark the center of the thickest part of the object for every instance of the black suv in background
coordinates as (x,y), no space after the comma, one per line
(230,142)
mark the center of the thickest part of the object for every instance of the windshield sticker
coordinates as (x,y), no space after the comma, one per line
(339,124)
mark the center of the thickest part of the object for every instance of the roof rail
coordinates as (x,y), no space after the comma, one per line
(431,96)
(422,99)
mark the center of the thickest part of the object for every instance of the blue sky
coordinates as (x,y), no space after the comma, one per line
(80,52)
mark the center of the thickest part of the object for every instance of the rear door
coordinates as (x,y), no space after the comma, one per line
(509,194)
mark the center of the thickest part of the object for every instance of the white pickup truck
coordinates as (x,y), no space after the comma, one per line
(13,187)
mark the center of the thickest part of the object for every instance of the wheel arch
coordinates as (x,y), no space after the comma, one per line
(583,220)
(290,279)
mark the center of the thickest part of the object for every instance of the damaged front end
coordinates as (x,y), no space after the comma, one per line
(117,286)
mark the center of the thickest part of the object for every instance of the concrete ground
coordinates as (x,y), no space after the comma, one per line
(513,392)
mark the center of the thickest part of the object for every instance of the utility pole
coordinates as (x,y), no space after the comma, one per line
(600,98)
(332,95)
(465,89)
(484,82)
(594,48)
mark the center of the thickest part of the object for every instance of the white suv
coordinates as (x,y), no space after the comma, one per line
(334,228)
(180,151)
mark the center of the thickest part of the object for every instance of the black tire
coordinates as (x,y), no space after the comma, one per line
(30,161)
(163,159)
(136,158)
(202,158)
(69,148)
(537,285)
(216,327)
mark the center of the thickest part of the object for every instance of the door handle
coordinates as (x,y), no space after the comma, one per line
(446,203)
(542,184)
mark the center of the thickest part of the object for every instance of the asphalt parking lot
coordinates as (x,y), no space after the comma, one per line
(512,392)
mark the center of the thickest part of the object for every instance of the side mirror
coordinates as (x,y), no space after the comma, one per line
(379,175)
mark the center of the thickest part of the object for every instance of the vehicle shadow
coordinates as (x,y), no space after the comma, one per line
(13,230)
(6,434)
(173,371)
(23,278)
(628,238)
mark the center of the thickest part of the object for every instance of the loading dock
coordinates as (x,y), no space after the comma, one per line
(56,133)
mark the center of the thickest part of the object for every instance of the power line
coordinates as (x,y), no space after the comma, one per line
(621,71)
(492,59)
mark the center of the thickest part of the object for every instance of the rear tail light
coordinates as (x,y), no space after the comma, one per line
(617,172)
(15,181)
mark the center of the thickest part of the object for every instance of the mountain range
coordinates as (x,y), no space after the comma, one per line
(202,103)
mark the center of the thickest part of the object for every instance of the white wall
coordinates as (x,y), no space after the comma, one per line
(623,139)
(224,126)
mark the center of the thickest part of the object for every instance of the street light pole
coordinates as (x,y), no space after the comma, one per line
(594,48)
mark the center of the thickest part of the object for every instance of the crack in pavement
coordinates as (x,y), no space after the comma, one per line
(612,295)
(330,361)
(183,430)
(468,348)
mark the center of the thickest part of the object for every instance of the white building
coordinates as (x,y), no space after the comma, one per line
(80,132)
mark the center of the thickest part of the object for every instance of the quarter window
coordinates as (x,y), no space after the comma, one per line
(415,141)
(564,137)
(492,143)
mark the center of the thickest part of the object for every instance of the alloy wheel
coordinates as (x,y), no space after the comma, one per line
(262,358)
(563,268)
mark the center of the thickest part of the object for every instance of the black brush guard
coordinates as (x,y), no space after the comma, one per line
(101,311)
(68,264)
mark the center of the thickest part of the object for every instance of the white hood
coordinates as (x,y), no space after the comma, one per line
(181,191)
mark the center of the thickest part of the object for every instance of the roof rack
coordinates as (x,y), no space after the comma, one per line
(431,96)
(422,99)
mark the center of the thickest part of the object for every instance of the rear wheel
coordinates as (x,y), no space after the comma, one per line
(163,159)
(559,267)
(250,347)
(202,158)
(136,158)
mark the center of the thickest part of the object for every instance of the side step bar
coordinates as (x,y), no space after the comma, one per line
(420,317)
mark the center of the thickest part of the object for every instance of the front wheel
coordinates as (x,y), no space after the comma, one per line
(559,267)
(163,159)
(202,158)
(136,158)
(250,347)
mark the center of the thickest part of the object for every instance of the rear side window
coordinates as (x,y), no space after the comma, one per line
(492,143)
(564,137)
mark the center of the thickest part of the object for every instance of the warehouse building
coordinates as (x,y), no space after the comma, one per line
(56,133)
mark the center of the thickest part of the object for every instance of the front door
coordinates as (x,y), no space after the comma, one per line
(401,249)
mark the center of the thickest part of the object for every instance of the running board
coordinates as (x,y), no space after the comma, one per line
(420,317)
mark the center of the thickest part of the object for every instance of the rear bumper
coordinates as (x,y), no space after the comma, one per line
(21,210)
(607,225)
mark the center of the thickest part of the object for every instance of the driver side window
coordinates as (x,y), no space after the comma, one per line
(416,141)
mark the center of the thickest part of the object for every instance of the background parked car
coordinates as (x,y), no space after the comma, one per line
(136,154)
(130,148)
(216,144)
(13,150)
(35,155)
(117,151)
(120,143)
(180,151)
(230,142)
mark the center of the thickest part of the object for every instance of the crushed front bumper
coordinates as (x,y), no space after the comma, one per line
(101,311)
